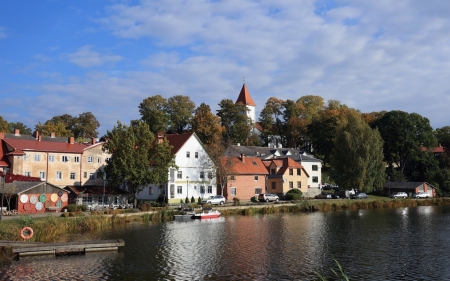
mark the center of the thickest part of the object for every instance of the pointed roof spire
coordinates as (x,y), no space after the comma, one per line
(245,97)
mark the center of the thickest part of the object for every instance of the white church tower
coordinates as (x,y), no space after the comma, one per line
(246,99)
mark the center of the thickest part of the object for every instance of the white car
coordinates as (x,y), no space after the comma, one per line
(400,195)
(217,199)
(421,195)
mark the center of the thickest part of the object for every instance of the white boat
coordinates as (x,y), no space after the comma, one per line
(207,214)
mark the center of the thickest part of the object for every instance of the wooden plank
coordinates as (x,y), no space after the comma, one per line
(70,246)
(18,243)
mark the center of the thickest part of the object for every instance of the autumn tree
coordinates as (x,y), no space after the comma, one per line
(207,125)
(153,112)
(137,159)
(49,127)
(310,106)
(357,155)
(180,109)
(4,125)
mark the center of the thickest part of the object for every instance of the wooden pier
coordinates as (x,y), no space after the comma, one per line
(34,249)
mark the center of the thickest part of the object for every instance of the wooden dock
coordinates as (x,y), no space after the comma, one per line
(33,249)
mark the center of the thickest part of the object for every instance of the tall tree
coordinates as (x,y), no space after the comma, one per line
(24,130)
(237,126)
(310,106)
(85,126)
(153,111)
(137,159)
(357,157)
(49,127)
(4,125)
(207,125)
(271,120)
(180,109)
(443,137)
(403,134)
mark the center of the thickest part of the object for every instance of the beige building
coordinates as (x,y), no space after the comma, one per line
(59,161)
(285,174)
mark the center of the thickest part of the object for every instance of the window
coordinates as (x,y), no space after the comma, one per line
(299,172)
(202,175)
(232,177)
(85,174)
(99,160)
(291,185)
(172,191)
(315,179)
(291,172)
(150,190)
(100,199)
(299,184)
(209,189)
(179,174)
(65,158)
(256,178)
(188,154)
(58,176)
(91,176)
(72,175)
(76,159)
(315,168)
(210,175)
(202,189)
(274,185)
(257,190)
(51,158)
(42,175)
(233,191)
(27,174)
(90,159)
(87,200)
(179,189)
(273,171)
(196,155)
(25,157)
(37,157)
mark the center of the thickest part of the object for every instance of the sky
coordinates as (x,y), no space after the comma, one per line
(69,57)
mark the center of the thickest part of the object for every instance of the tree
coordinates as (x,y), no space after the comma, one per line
(207,125)
(49,127)
(237,126)
(4,125)
(403,134)
(153,112)
(24,130)
(85,126)
(310,106)
(422,167)
(357,157)
(443,137)
(137,159)
(180,109)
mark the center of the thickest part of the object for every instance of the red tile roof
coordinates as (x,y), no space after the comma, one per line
(284,163)
(439,149)
(177,141)
(244,97)
(250,165)
(20,146)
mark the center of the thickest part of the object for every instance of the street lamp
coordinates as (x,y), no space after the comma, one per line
(187,196)
(103,199)
(3,193)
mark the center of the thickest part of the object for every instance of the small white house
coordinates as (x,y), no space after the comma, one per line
(195,176)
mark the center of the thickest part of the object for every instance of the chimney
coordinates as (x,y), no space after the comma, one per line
(71,140)
(52,135)
(36,134)
(2,135)
(242,157)
(94,140)
(39,138)
(160,138)
(16,132)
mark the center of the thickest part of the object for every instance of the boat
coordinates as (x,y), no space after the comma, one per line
(185,214)
(207,214)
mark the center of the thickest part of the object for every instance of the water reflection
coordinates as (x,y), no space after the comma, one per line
(393,244)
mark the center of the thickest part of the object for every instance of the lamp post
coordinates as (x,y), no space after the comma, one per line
(104,183)
(3,194)
(187,196)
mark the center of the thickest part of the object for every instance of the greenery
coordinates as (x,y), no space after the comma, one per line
(84,126)
(294,194)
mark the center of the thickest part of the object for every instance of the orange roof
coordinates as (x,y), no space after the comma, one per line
(245,97)
(18,146)
(439,149)
(284,163)
(250,165)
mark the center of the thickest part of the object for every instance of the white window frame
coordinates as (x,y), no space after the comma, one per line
(99,160)
(42,175)
(27,173)
(315,168)
(76,159)
(73,175)
(196,154)
(233,191)
(202,175)
(179,189)
(188,154)
(58,175)
(256,177)
(51,158)
(90,159)
(37,158)
(179,174)
(65,158)
(209,189)
(315,179)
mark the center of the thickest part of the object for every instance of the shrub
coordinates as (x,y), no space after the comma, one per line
(66,215)
(186,200)
(143,207)
(75,208)
(192,199)
(294,194)
(199,200)
(236,201)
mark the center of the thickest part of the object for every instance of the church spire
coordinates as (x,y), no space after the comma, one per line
(244,97)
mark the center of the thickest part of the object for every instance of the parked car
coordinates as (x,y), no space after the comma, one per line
(360,195)
(399,195)
(323,196)
(268,197)
(421,194)
(339,194)
(217,199)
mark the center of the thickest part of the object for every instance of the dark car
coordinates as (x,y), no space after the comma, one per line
(360,195)
(323,196)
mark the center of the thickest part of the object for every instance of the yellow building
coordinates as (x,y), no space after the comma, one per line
(285,174)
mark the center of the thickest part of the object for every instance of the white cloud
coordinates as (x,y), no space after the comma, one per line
(85,57)
(3,33)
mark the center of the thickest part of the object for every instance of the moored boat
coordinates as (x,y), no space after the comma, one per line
(207,214)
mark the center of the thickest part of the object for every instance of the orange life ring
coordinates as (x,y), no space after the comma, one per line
(26,229)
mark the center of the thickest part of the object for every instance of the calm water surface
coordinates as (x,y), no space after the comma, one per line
(394,244)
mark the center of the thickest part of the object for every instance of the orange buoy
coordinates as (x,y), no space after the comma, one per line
(25,230)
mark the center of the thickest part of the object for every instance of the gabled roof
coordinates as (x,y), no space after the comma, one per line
(24,186)
(285,164)
(405,185)
(177,141)
(22,145)
(270,153)
(245,166)
(244,97)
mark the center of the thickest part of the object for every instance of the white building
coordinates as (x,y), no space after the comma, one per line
(195,176)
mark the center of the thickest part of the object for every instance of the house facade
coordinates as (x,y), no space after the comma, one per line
(409,187)
(286,174)
(195,176)
(59,161)
(246,177)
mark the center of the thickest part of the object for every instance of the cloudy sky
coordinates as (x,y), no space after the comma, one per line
(59,57)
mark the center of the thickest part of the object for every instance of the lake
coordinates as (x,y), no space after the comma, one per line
(386,244)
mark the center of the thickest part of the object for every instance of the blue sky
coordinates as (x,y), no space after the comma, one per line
(59,57)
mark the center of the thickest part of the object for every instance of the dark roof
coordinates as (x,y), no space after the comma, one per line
(405,185)
(94,190)
(270,153)
(23,186)
(177,141)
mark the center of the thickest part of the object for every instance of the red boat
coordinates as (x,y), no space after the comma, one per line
(207,214)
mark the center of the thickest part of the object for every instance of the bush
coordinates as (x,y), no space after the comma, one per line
(199,200)
(186,200)
(236,201)
(192,199)
(76,208)
(294,194)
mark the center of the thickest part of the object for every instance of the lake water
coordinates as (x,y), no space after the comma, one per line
(388,244)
